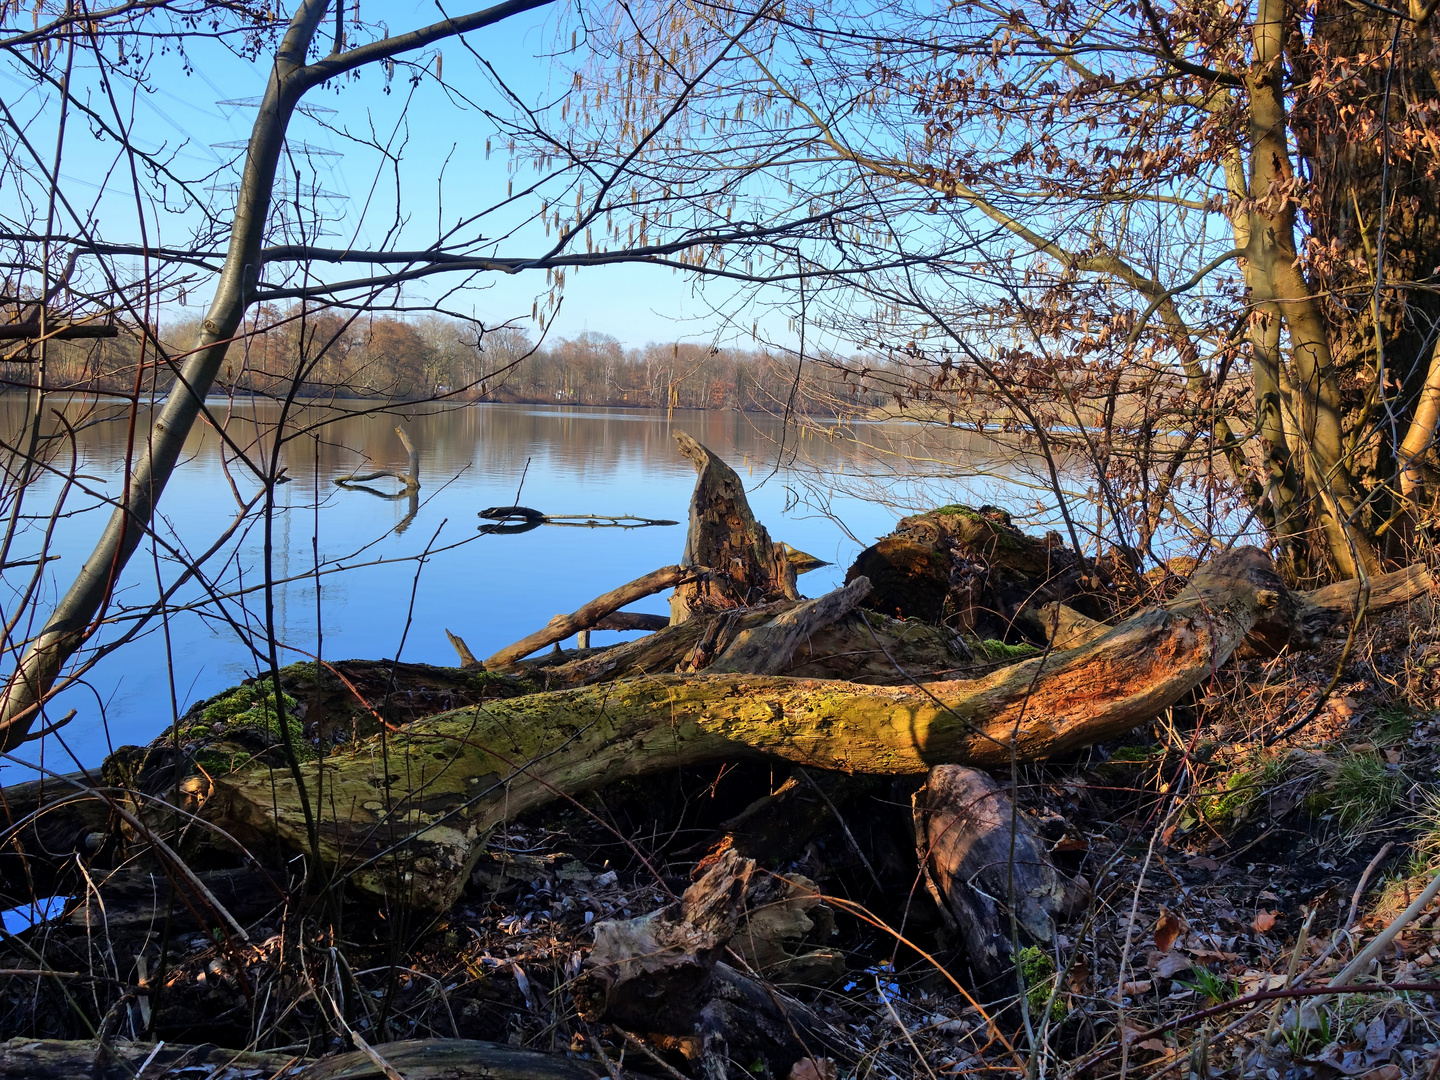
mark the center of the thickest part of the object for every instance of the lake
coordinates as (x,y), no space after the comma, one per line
(489,589)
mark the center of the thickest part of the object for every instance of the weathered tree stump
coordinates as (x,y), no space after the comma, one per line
(748,567)
(974,572)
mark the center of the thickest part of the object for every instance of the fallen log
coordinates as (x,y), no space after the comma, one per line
(768,649)
(414,1059)
(61,1059)
(48,823)
(984,861)
(563,626)
(136,899)
(447,1059)
(1317,612)
(409,815)
(632,620)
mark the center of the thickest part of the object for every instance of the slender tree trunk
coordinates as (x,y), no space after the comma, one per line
(75,616)
(72,620)
(1273,254)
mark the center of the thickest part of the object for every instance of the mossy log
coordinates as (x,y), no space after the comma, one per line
(404,816)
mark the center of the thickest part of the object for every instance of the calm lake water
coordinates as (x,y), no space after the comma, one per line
(489,589)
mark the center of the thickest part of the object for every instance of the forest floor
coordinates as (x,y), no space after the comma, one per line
(1231,849)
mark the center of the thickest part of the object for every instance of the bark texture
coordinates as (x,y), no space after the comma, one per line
(748,567)
(984,862)
(408,812)
(414,1059)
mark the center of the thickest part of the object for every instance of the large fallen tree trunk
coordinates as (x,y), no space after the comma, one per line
(405,816)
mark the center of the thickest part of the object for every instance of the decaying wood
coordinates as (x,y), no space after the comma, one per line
(984,861)
(653,972)
(410,478)
(661,973)
(1314,614)
(749,568)
(768,649)
(415,815)
(863,647)
(449,1059)
(563,626)
(1066,628)
(467,658)
(783,931)
(1386,591)
(57,1059)
(973,571)
(632,620)
(414,1059)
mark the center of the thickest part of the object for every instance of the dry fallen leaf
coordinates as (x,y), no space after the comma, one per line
(1167,967)
(1264,920)
(1139,986)
(814,1069)
(1167,929)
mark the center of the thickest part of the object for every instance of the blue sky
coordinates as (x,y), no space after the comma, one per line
(444,163)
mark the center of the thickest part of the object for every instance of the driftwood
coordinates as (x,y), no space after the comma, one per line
(410,477)
(768,649)
(415,817)
(563,626)
(653,972)
(749,568)
(415,1059)
(984,861)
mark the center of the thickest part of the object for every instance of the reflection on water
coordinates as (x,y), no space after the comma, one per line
(489,589)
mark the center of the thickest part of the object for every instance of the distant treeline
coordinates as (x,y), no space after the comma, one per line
(376,356)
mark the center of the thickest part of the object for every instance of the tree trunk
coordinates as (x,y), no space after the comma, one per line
(408,811)
(70,623)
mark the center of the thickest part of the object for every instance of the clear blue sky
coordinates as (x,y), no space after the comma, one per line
(443,158)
